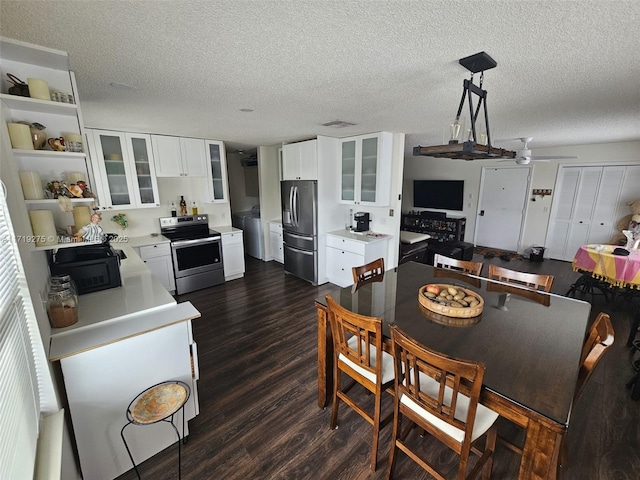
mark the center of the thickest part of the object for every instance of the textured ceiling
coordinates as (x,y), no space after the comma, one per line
(568,71)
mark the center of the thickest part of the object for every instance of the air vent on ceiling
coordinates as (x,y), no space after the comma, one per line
(338,124)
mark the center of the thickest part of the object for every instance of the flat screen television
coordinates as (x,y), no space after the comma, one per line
(441,194)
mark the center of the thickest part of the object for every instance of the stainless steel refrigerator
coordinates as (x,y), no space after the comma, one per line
(300,228)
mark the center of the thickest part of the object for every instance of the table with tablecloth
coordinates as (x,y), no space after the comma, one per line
(617,270)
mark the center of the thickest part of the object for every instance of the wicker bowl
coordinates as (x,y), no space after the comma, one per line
(448,321)
(448,310)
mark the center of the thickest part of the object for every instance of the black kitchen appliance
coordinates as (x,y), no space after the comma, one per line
(362,221)
(196,252)
(92,267)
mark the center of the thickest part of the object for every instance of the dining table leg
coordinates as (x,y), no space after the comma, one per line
(541,452)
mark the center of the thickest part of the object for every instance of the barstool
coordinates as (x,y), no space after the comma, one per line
(158,403)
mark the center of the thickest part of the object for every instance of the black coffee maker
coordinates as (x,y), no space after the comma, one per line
(362,221)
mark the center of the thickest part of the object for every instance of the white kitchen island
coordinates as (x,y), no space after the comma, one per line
(126,339)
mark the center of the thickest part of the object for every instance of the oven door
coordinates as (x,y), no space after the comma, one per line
(196,256)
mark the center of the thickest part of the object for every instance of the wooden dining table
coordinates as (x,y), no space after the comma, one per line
(531,348)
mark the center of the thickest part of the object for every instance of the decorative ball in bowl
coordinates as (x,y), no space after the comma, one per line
(450,300)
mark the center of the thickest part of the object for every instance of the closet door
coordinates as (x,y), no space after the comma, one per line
(564,202)
(604,214)
(583,210)
(589,202)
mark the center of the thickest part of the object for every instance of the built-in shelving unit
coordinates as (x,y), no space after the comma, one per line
(25,60)
(442,229)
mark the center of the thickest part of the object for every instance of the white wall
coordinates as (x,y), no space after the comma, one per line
(269,182)
(543,176)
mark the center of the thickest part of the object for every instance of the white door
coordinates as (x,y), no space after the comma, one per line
(501,207)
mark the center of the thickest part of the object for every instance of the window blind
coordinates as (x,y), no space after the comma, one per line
(26,388)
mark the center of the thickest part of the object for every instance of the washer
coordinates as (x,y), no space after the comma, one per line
(249,222)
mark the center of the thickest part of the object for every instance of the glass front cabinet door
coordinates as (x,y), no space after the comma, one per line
(365,173)
(125,169)
(216,172)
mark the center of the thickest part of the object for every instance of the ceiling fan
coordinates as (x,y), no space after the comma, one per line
(524,157)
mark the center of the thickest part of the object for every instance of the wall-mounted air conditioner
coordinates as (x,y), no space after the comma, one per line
(249,162)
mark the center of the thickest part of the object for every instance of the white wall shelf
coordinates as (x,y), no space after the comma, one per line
(49,154)
(27,104)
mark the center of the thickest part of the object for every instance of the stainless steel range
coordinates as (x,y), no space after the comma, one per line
(196,252)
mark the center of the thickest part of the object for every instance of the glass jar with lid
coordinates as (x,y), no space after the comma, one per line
(62,303)
(63,279)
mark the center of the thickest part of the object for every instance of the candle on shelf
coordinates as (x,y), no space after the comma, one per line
(20,134)
(81,217)
(38,89)
(31,185)
(44,229)
(75,177)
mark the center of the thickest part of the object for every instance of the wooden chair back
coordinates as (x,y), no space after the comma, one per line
(533,281)
(371,271)
(429,382)
(537,296)
(465,266)
(354,336)
(600,338)
(357,341)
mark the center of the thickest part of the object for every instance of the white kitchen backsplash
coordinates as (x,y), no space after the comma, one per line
(143,221)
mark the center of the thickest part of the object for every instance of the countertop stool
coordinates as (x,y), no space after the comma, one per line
(158,403)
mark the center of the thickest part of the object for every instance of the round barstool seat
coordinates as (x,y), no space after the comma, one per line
(158,403)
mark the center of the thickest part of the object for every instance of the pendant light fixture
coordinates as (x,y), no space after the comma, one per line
(476,145)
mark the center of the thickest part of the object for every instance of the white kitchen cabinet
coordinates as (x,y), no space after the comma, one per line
(346,250)
(233,254)
(24,60)
(365,169)
(179,156)
(158,260)
(216,171)
(125,169)
(275,237)
(101,382)
(300,161)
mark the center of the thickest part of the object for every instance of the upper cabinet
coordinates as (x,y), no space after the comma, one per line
(126,173)
(216,172)
(300,161)
(179,156)
(365,173)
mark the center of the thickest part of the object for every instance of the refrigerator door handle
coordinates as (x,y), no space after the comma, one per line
(295,235)
(295,206)
(297,250)
(293,219)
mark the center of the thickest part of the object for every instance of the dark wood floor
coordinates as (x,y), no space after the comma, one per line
(259,417)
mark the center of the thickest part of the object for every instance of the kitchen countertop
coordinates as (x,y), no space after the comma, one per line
(226,229)
(141,304)
(364,238)
(146,240)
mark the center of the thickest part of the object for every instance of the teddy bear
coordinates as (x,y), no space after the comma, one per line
(625,223)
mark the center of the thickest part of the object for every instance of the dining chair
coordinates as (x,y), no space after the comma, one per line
(465,266)
(533,281)
(371,271)
(598,340)
(440,395)
(357,342)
